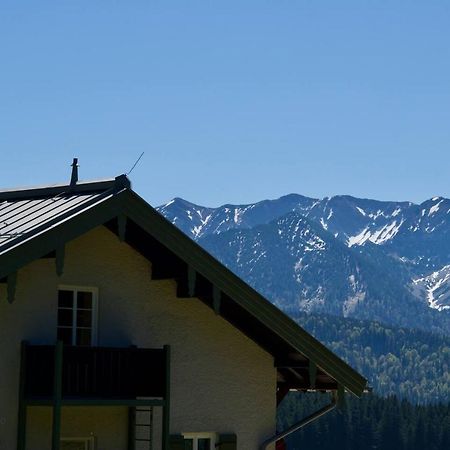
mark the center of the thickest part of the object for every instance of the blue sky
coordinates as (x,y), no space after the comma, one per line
(232,102)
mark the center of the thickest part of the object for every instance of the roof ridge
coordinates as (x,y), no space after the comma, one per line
(36,192)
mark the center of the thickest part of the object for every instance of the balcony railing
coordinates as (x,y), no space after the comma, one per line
(94,372)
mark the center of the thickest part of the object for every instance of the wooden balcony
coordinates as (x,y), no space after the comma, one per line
(58,375)
(99,374)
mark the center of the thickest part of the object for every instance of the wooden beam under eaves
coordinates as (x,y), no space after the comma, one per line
(300,379)
(289,363)
(161,271)
(187,283)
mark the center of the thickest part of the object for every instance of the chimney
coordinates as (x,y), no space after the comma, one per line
(74,177)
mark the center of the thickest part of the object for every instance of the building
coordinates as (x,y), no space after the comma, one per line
(119,332)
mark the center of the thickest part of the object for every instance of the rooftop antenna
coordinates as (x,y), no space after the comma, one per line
(74,176)
(135,164)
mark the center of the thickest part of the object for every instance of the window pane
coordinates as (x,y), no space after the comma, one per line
(65,299)
(84,318)
(189,444)
(84,300)
(65,317)
(204,444)
(65,335)
(83,336)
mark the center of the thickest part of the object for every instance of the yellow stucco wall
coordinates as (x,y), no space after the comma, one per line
(107,424)
(221,381)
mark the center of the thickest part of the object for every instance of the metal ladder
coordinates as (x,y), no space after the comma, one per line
(141,423)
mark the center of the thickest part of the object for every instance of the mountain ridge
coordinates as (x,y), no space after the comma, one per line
(361,258)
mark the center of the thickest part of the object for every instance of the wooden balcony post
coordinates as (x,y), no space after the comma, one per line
(57,394)
(22,416)
(131,428)
(166,407)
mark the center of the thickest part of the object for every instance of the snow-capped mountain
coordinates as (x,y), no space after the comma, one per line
(343,255)
(197,221)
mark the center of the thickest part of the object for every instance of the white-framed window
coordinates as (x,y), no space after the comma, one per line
(77,443)
(77,315)
(200,441)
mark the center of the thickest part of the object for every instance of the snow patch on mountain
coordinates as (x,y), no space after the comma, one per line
(197,230)
(435,208)
(352,301)
(315,243)
(436,288)
(360,238)
(378,237)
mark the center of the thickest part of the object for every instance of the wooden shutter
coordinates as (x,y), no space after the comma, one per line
(227,442)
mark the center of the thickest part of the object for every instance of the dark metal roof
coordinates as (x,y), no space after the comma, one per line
(35,222)
(24,212)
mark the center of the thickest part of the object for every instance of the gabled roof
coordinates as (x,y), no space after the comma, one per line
(38,222)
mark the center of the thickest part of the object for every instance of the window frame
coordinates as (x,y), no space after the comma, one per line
(94,324)
(195,436)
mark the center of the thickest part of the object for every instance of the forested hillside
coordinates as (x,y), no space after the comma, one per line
(409,363)
(366,424)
